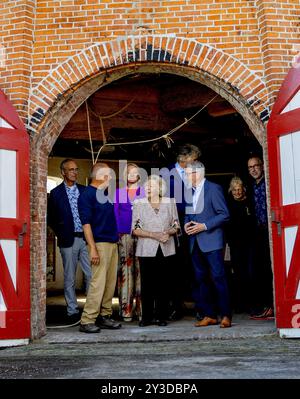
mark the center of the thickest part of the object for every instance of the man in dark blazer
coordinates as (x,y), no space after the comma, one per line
(205,216)
(63,218)
(181,274)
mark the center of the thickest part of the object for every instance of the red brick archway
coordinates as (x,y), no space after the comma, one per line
(233,75)
(53,102)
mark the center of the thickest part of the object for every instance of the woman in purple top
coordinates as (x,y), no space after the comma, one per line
(129,284)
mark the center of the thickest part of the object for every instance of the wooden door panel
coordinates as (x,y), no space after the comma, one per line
(14,225)
(284,170)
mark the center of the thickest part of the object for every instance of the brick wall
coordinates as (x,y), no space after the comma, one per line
(262,34)
(279,23)
(16,47)
(65,27)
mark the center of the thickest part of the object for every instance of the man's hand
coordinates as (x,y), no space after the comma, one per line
(194,228)
(95,258)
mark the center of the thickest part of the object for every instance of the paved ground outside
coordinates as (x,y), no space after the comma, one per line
(250,349)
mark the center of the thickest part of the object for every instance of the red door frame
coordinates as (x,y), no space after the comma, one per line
(15,322)
(280,124)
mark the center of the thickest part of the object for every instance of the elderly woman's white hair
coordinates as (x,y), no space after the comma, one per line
(160,182)
(236,181)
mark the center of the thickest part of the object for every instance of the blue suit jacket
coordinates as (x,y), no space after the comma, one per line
(59,215)
(212,210)
(175,188)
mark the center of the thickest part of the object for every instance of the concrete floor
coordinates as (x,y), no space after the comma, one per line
(182,330)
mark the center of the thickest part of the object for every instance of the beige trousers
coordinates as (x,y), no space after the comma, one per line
(102,285)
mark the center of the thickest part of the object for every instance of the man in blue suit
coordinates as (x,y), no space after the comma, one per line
(63,218)
(181,274)
(206,213)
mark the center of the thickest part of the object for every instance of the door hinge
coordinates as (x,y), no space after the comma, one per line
(21,235)
(275,217)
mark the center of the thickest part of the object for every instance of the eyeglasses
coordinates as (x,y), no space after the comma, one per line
(192,172)
(254,166)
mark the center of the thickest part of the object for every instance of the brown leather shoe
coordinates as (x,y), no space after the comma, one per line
(207,321)
(225,322)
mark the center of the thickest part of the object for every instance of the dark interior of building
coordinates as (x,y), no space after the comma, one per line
(146,106)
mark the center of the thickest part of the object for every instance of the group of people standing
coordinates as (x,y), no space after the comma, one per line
(146,237)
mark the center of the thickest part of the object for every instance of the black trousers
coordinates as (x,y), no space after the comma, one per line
(154,286)
(182,272)
(181,275)
(263,274)
(242,260)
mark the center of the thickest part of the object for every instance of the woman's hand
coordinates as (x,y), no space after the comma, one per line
(160,236)
(164,237)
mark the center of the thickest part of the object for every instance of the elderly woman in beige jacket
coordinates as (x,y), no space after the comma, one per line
(154,223)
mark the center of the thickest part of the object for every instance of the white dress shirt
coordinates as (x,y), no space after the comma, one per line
(197,192)
(181,172)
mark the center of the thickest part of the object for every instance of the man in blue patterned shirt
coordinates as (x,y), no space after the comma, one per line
(262,264)
(63,218)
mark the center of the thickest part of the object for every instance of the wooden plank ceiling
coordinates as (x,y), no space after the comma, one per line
(159,103)
(155,104)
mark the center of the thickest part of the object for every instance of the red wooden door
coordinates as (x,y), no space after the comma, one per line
(14,225)
(284,169)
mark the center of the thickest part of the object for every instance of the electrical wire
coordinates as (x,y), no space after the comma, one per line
(165,136)
(64,326)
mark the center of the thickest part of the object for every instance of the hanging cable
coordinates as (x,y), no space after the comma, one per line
(64,326)
(115,113)
(89,130)
(101,118)
(165,136)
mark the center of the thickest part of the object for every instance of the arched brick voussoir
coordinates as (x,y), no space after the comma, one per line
(75,70)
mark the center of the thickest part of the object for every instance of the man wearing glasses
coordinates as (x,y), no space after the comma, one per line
(63,218)
(263,269)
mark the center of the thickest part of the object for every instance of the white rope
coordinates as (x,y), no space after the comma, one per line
(101,118)
(115,113)
(64,326)
(89,130)
(164,136)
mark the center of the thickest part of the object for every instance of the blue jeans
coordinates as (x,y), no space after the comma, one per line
(70,257)
(210,266)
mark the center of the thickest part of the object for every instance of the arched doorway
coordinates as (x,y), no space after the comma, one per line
(56,99)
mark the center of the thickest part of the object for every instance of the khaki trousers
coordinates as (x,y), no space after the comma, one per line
(102,285)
